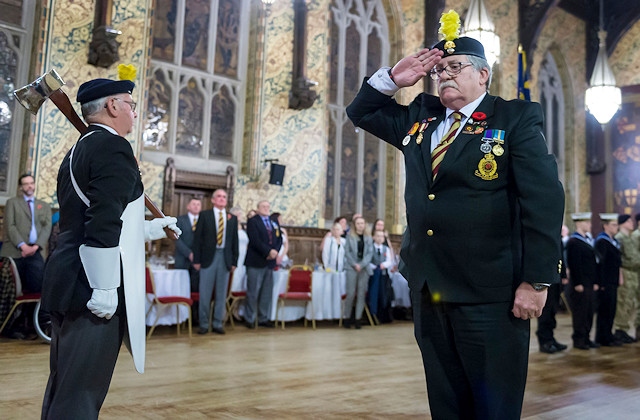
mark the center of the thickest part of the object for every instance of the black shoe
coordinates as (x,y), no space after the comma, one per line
(581,346)
(549,348)
(346,324)
(266,324)
(622,336)
(559,346)
(250,325)
(594,345)
(358,324)
(220,331)
(202,331)
(612,343)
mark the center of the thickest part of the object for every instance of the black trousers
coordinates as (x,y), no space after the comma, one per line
(84,350)
(475,358)
(607,302)
(31,270)
(547,321)
(582,307)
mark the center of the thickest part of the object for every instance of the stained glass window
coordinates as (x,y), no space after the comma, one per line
(356,160)
(196,93)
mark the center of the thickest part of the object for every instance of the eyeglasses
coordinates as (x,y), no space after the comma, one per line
(452,69)
(131,103)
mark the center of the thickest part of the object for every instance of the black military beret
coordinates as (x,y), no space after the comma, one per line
(100,88)
(623,218)
(461,46)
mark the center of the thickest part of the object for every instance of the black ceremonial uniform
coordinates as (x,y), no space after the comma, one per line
(106,171)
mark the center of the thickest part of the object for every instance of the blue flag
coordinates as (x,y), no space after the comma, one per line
(523,75)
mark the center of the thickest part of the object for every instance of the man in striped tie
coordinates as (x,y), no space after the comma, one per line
(215,254)
(484,212)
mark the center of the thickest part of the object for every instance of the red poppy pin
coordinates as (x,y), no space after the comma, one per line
(228,216)
(39,207)
(479,116)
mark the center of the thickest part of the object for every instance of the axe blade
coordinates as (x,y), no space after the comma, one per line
(33,95)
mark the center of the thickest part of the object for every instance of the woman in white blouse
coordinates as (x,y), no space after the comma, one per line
(333,250)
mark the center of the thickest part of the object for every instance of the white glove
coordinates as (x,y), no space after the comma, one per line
(153,229)
(103,302)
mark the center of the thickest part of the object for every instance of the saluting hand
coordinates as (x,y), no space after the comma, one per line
(409,70)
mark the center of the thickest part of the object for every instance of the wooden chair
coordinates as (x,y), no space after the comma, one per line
(299,288)
(20,297)
(164,301)
(233,301)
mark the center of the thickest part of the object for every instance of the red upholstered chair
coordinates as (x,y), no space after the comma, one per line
(16,288)
(299,289)
(163,301)
(233,301)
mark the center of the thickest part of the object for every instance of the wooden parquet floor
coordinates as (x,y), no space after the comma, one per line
(330,373)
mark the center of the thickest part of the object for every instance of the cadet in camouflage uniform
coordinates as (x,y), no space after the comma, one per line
(628,292)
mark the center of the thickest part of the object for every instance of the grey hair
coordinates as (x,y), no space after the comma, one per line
(93,107)
(479,64)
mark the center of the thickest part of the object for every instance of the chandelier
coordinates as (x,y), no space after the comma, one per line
(603,98)
(478,25)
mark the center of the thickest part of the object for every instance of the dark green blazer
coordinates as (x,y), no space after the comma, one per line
(473,235)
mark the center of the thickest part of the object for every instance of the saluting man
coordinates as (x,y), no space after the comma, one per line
(484,211)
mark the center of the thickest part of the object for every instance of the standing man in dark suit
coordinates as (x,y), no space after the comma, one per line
(215,255)
(27,226)
(184,245)
(265,240)
(94,285)
(483,220)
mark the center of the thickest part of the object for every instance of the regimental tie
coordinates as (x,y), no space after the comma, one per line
(438,153)
(220,228)
(194,224)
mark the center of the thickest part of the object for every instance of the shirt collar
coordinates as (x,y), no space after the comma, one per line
(468,109)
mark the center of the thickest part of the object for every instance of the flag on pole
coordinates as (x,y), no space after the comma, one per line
(523,75)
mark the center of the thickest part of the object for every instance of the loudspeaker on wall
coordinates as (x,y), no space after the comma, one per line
(276,174)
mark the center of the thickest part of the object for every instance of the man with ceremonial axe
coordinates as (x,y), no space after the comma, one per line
(94,285)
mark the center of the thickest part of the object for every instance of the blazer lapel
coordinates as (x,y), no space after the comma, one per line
(462,140)
(426,145)
(25,207)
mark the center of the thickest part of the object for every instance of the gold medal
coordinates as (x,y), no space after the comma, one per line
(487,168)
(419,138)
(498,150)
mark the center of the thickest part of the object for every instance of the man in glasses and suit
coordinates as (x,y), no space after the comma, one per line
(484,212)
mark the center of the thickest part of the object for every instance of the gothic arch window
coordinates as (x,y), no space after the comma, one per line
(195,105)
(16,26)
(552,101)
(356,160)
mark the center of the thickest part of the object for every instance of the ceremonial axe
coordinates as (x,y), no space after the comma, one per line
(49,86)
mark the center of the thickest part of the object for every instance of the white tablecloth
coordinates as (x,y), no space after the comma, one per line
(326,289)
(400,290)
(169,283)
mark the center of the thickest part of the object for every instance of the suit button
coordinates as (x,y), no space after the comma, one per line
(432,197)
(429,232)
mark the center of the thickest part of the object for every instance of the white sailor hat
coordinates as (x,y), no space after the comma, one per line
(608,216)
(585,215)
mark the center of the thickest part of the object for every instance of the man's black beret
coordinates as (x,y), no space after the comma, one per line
(100,88)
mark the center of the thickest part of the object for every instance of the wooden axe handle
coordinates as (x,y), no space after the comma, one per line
(61,100)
